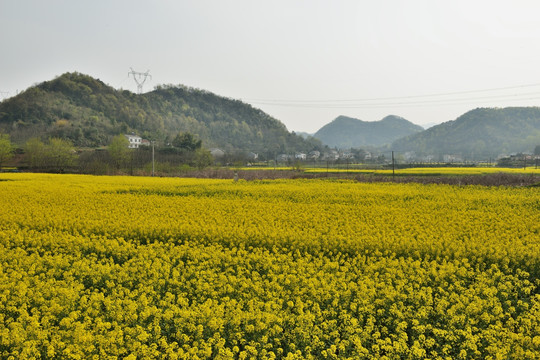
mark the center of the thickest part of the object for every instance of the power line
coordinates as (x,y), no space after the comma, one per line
(439,102)
(399,100)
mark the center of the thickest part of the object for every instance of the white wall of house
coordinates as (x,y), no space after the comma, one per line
(134,141)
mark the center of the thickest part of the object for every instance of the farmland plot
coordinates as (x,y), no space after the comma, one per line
(136,268)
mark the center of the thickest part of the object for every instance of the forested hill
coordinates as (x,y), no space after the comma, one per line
(88,112)
(345,132)
(483,132)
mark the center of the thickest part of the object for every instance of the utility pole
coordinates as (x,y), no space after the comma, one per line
(327,161)
(140,78)
(153,157)
(393,165)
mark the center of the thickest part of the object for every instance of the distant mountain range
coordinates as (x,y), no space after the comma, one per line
(88,112)
(346,132)
(479,133)
(483,132)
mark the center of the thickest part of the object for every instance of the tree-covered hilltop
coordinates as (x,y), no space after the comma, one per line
(223,122)
(345,132)
(479,133)
(88,112)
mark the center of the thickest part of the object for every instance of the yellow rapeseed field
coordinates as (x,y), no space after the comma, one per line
(168,268)
(412,171)
(433,170)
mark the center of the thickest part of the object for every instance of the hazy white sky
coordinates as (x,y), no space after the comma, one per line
(303,62)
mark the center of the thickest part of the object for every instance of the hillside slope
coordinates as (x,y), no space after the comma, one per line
(483,132)
(345,132)
(88,112)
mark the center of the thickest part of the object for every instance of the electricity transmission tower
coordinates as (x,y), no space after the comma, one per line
(139,78)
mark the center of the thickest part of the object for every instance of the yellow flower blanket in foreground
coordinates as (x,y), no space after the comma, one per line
(120,267)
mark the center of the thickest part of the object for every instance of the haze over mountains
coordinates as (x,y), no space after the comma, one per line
(88,112)
(346,132)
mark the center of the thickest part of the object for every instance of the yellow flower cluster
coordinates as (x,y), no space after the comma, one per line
(166,268)
(476,170)
(434,170)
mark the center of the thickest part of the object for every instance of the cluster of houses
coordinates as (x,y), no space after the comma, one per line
(315,155)
(455,158)
(518,159)
(135,141)
(411,156)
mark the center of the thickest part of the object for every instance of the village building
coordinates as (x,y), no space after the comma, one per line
(134,140)
(217,153)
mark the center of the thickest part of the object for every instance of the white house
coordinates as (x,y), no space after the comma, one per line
(134,141)
(332,155)
(283,157)
(347,155)
(217,153)
(314,155)
(452,158)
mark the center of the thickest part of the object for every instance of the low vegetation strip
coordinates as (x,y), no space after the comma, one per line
(453,176)
(168,268)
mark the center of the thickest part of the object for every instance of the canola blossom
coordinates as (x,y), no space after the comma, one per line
(168,268)
(412,171)
(430,171)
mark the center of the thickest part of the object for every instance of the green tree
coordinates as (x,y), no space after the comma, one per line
(35,153)
(186,141)
(60,154)
(537,150)
(119,151)
(6,149)
(203,158)
(56,155)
